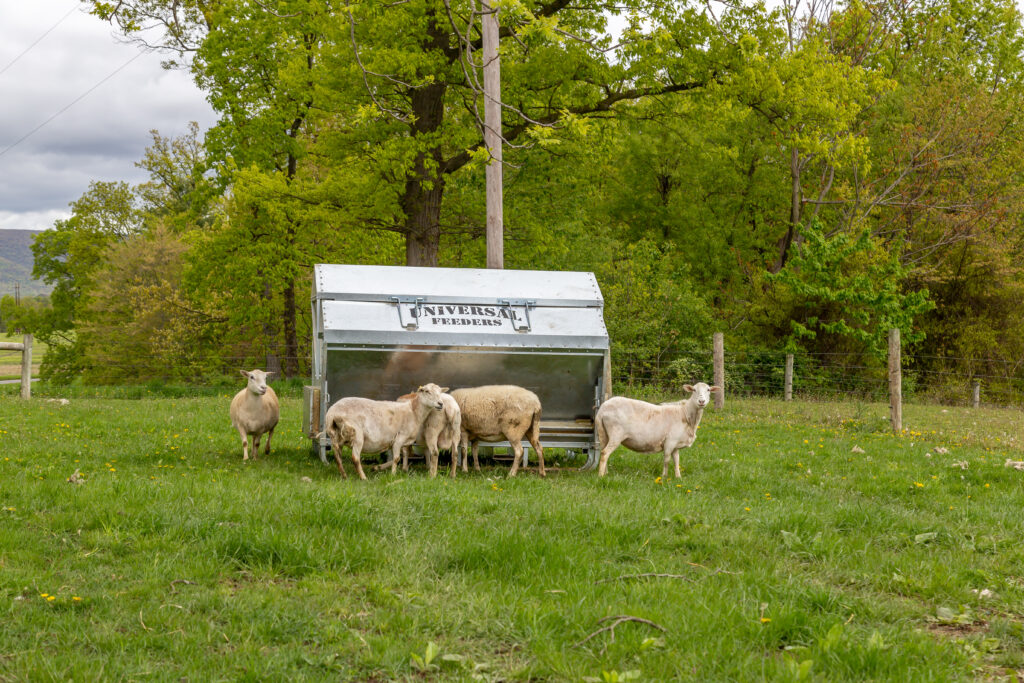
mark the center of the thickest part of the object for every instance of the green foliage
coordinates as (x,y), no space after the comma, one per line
(849,286)
(686,165)
(139,324)
(650,301)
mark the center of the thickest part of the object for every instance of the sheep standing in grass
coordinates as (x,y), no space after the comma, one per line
(441,432)
(369,426)
(496,413)
(648,428)
(255,411)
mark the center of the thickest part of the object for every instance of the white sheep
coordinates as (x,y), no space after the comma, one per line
(441,432)
(496,413)
(255,411)
(647,428)
(369,426)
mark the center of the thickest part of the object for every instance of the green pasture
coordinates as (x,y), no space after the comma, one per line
(781,554)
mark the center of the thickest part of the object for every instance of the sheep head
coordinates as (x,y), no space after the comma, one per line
(430,395)
(701,393)
(257,381)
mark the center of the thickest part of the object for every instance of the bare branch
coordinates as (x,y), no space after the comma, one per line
(615,621)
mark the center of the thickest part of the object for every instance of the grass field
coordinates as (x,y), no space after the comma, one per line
(780,554)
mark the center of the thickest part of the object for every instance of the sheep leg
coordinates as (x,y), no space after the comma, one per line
(664,465)
(255,445)
(675,459)
(517,456)
(534,439)
(245,443)
(336,452)
(455,459)
(396,448)
(357,448)
(476,456)
(463,450)
(267,450)
(405,458)
(606,451)
(432,457)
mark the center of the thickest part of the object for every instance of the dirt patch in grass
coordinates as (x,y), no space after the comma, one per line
(957,630)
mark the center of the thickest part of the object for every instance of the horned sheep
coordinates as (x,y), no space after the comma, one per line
(648,428)
(500,412)
(370,426)
(255,411)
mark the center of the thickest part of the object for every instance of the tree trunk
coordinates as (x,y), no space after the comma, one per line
(270,335)
(424,185)
(291,341)
(795,202)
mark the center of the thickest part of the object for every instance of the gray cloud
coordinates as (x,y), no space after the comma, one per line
(98,138)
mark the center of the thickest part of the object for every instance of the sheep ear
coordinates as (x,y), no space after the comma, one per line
(245,373)
(715,388)
(271,373)
(687,387)
(444,390)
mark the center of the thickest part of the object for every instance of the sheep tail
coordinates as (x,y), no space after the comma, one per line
(339,431)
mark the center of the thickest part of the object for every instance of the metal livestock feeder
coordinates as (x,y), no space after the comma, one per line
(381,331)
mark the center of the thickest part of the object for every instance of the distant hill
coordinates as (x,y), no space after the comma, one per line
(16,263)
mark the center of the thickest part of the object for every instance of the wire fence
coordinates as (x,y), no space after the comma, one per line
(748,373)
(925,378)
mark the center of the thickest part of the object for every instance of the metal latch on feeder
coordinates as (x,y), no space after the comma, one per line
(511,305)
(413,324)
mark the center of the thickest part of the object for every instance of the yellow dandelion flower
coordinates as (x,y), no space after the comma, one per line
(765,620)
(51,598)
(747,509)
(76,598)
(918,484)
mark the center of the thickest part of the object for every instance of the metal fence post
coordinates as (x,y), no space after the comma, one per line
(895,382)
(718,355)
(788,390)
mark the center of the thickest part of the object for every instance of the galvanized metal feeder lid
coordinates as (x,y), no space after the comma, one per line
(456,285)
(374,305)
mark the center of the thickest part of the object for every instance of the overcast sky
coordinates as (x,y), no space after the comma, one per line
(101,136)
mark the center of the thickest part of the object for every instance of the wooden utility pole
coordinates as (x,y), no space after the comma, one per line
(895,381)
(492,136)
(718,357)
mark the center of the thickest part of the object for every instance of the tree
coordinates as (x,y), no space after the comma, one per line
(68,257)
(388,92)
(139,323)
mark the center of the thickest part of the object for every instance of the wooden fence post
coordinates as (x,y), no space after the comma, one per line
(718,356)
(26,362)
(975,393)
(788,390)
(895,382)
(26,368)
